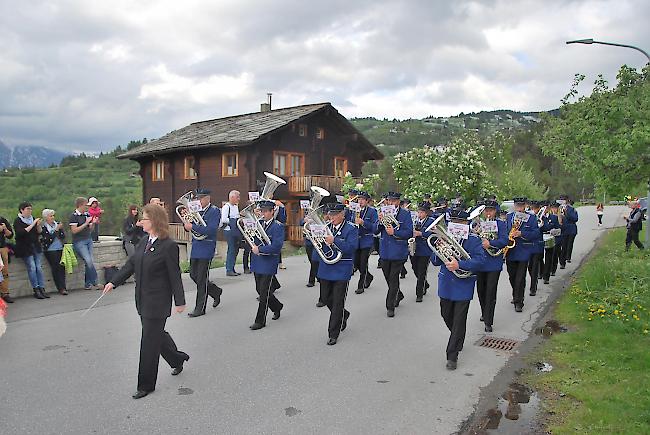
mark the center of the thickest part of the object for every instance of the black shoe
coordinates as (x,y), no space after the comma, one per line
(359,291)
(368,281)
(418,299)
(320,304)
(256,326)
(488,328)
(519,308)
(331,341)
(533,293)
(568,260)
(481,318)
(402,276)
(44,293)
(179,369)
(390,313)
(546,281)
(562,267)
(451,365)
(276,315)
(196,314)
(217,298)
(8,299)
(552,273)
(310,284)
(140,394)
(247,271)
(400,296)
(232,274)
(345,321)
(37,294)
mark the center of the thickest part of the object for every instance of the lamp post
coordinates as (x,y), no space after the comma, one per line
(589,42)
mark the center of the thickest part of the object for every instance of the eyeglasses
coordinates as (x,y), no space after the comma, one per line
(144,219)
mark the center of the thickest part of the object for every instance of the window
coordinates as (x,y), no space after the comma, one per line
(320,133)
(340,166)
(230,165)
(158,170)
(302,130)
(288,164)
(189,173)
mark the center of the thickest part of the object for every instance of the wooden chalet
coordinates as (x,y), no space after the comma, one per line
(305,145)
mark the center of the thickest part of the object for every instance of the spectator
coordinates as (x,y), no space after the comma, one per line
(29,249)
(131,231)
(634,225)
(229,216)
(52,241)
(95,212)
(81,225)
(5,233)
(155,200)
(599,212)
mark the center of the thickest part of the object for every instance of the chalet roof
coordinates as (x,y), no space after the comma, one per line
(236,130)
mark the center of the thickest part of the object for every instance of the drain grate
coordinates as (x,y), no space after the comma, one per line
(497,343)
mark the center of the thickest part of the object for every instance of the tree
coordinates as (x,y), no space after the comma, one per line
(604,137)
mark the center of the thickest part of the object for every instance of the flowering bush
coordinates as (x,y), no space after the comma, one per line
(368,184)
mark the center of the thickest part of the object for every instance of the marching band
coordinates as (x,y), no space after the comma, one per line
(470,245)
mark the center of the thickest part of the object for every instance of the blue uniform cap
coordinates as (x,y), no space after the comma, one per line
(266,204)
(202,192)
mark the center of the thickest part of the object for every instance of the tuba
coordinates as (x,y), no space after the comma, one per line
(185,215)
(445,246)
(328,254)
(248,223)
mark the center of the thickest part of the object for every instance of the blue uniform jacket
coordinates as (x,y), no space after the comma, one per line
(461,289)
(346,240)
(205,248)
(421,247)
(524,244)
(492,264)
(538,245)
(569,226)
(366,231)
(267,262)
(282,215)
(395,247)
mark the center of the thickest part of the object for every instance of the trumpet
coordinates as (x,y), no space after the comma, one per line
(445,246)
(248,223)
(185,215)
(314,217)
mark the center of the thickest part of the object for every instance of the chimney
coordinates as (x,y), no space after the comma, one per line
(266,107)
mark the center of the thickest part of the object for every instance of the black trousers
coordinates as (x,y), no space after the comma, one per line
(486,287)
(392,269)
(264,287)
(600,219)
(58,271)
(549,258)
(517,276)
(155,342)
(454,313)
(313,268)
(361,257)
(633,237)
(246,256)
(334,294)
(420,266)
(535,267)
(567,248)
(199,269)
(556,256)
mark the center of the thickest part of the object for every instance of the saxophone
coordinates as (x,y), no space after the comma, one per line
(517,221)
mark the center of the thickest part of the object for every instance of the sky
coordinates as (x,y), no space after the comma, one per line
(86,75)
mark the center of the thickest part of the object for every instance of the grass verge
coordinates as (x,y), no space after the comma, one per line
(601,377)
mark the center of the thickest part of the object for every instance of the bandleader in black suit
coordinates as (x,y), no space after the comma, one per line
(157,280)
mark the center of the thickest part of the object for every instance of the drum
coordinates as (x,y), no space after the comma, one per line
(549,241)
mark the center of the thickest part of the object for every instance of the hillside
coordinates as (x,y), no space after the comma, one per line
(29,156)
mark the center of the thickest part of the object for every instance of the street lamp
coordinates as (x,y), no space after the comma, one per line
(589,42)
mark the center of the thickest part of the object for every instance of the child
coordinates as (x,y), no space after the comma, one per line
(95,212)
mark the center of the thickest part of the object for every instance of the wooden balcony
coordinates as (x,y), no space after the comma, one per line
(178,233)
(300,186)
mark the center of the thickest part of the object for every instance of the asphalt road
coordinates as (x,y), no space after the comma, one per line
(64,373)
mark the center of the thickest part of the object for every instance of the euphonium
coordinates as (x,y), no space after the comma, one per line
(388,220)
(445,246)
(185,215)
(489,235)
(329,254)
(251,232)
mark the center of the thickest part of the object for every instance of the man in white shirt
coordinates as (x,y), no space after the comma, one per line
(229,216)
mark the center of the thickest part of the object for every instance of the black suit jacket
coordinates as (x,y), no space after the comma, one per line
(157,278)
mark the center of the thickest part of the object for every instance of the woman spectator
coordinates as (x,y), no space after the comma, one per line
(28,247)
(599,212)
(131,231)
(52,240)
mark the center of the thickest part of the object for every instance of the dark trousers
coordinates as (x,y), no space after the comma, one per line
(155,342)
(517,276)
(535,267)
(58,271)
(600,219)
(246,256)
(361,257)
(556,256)
(265,288)
(233,250)
(375,244)
(420,266)
(199,269)
(567,248)
(549,254)
(454,314)
(486,287)
(392,269)
(334,294)
(94,234)
(313,264)
(633,237)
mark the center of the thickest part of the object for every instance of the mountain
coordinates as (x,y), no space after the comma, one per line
(29,156)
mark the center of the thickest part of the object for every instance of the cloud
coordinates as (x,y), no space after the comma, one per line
(89,75)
